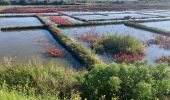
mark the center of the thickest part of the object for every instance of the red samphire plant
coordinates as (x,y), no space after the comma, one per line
(55,52)
(50,49)
(164,59)
(91,36)
(162,41)
(60,20)
(128,58)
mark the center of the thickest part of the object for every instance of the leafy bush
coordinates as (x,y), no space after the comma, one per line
(125,82)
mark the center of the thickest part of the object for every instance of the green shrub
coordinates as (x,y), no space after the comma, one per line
(114,44)
(125,82)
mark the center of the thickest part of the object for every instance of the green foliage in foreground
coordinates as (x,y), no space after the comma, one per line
(133,81)
(114,44)
(110,81)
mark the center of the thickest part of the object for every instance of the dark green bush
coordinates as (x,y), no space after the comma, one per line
(125,82)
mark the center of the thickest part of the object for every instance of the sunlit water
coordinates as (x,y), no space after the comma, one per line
(19,21)
(164,25)
(114,16)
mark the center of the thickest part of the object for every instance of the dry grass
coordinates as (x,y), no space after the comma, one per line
(164,59)
(162,41)
(91,36)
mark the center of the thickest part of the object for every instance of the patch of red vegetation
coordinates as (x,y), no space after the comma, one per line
(56,52)
(128,58)
(164,59)
(50,49)
(162,41)
(91,37)
(60,20)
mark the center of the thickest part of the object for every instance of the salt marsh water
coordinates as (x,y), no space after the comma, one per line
(122,30)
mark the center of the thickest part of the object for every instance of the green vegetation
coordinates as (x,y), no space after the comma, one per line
(125,82)
(114,44)
(36,81)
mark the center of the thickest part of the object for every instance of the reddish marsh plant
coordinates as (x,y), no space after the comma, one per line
(50,49)
(56,52)
(164,59)
(128,58)
(162,41)
(91,36)
(60,20)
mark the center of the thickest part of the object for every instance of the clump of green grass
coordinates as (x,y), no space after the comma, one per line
(123,48)
(114,44)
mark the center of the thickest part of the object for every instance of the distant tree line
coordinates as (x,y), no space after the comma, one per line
(32,2)
(47,2)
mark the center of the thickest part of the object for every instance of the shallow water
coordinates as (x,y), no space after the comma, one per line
(165,25)
(24,45)
(157,14)
(153,51)
(19,21)
(113,16)
(72,19)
